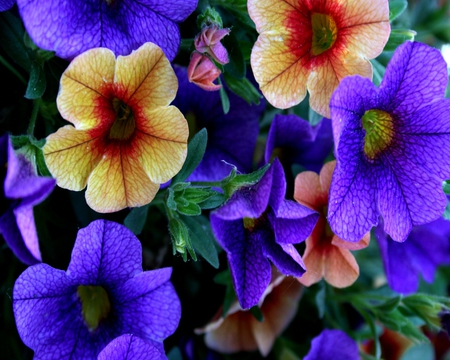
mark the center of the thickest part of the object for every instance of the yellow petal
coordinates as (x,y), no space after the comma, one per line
(119,181)
(145,78)
(270,14)
(71,155)
(85,89)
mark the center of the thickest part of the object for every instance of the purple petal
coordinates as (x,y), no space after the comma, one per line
(415,76)
(333,344)
(25,222)
(130,347)
(278,190)
(105,253)
(285,257)
(6,4)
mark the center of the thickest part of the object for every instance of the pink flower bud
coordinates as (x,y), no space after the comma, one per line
(202,72)
(208,42)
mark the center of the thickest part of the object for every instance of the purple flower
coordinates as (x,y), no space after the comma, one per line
(22,190)
(130,347)
(6,4)
(333,344)
(231,137)
(257,225)
(389,145)
(103,294)
(294,140)
(426,248)
(72,27)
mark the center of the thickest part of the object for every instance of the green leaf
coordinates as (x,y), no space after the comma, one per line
(181,241)
(170,202)
(243,88)
(378,72)
(19,141)
(40,163)
(320,300)
(196,150)
(189,209)
(396,8)
(236,66)
(234,182)
(224,99)
(202,238)
(213,202)
(198,195)
(136,219)
(257,313)
(389,305)
(209,17)
(37,82)
(398,37)
(11,40)
(314,118)
(371,322)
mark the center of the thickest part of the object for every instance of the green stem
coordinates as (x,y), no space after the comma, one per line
(32,124)
(12,69)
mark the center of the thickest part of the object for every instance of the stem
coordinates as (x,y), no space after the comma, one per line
(31,125)
(12,69)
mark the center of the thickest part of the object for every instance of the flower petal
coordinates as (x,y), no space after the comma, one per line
(130,347)
(308,190)
(340,268)
(333,344)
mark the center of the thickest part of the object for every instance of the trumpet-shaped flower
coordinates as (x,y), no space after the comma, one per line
(208,42)
(126,140)
(130,347)
(72,27)
(103,295)
(326,254)
(314,44)
(389,145)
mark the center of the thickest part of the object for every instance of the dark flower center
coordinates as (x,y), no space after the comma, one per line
(95,305)
(324,33)
(379,132)
(124,125)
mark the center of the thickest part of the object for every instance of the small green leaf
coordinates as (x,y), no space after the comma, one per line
(198,195)
(209,17)
(41,165)
(213,202)
(257,313)
(224,99)
(19,141)
(240,180)
(396,8)
(170,202)
(189,209)
(398,37)
(389,305)
(196,150)
(243,88)
(378,72)
(314,118)
(136,219)
(37,83)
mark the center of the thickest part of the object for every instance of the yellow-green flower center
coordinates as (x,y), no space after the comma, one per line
(95,305)
(249,223)
(124,125)
(324,33)
(379,132)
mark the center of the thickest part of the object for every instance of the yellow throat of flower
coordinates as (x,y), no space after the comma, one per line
(95,305)
(379,132)
(324,33)
(124,125)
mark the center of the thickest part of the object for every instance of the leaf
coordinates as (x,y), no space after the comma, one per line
(234,182)
(371,322)
(243,88)
(314,118)
(236,66)
(181,241)
(398,37)
(257,313)
(320,300)
(224,99)
(37,83)
(396,8)
(378,72)
(11,40)
(196,150)
(202,238)
(198,195)
(136,219)
(40,163)
(189,209)
(389,305)
(213,202)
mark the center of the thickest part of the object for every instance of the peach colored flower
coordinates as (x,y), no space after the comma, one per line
(326,254)
(126,140)
(314,44)
(240,331)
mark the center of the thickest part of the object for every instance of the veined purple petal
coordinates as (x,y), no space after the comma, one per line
(6,4)
(333,344)
(130,347)
(285,257)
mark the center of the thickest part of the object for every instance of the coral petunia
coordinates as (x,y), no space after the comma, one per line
(314,44)
(126,140)
(389,145)
(326,254)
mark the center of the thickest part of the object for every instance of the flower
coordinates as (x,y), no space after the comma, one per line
(202,72)
(129,347)
(333,344)
(426,247)
(231,137)
(239,330)
(126,140)
(326,254)
(22,190)
(388,146)
(208,42)
(70,28)
(256,225)
(6,4)
(103,294)
(294,140)
(314,45)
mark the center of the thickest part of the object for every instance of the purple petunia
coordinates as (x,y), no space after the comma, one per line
(427,247)
(130,347)
(104,294)
(231,137)
(72,27)
(389,145)
(333,344)
(22,190)
(258,224)
(6,4)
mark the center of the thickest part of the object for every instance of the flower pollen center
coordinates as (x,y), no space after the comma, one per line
(379,132)
(249,223)
(324,33)
(125,124)
(95,305)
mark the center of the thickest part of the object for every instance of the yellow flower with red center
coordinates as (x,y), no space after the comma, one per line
(314,44)
(126,139)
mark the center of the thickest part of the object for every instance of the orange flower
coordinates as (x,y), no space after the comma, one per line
(326,254)
(126,140)
(240,331)
(314,44)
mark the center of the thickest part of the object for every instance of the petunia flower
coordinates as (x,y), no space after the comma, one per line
(208,42)
(130,347)
(231,137)
(240,331)
(126,140)
(258,224)
(104,294)
(314,44)
(426,248)
(326,256)
(6,4)
(389,145)
(71,27)
(333,344)
(294,140)
(22,190)
(202,72)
